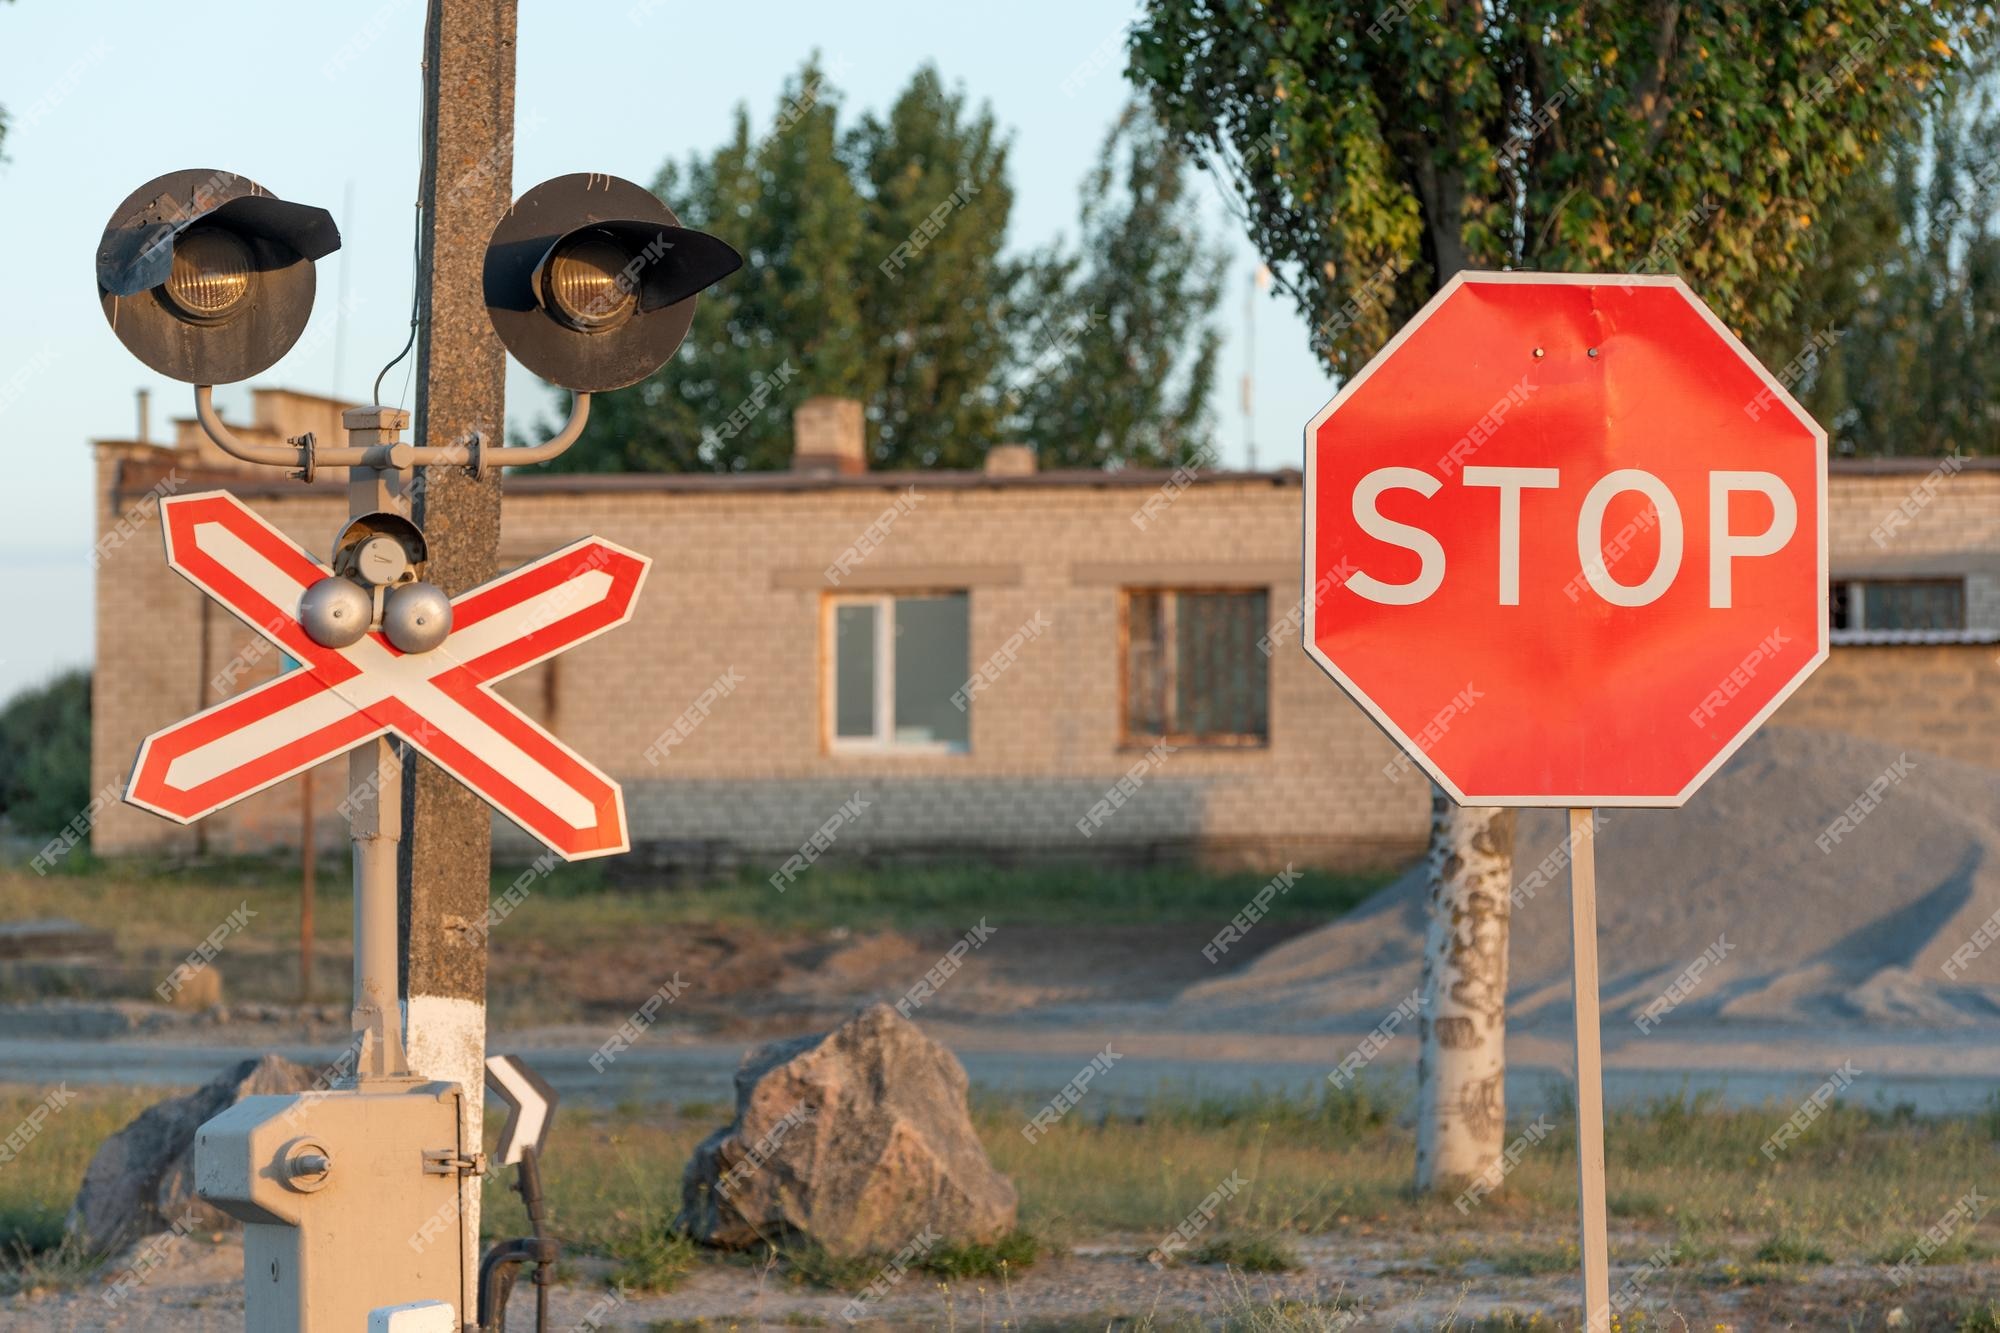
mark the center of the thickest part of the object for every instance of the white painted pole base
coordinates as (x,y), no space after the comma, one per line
(423,1317)
(1594,1241)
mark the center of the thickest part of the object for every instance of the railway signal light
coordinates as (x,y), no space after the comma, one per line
(207,277)
(591,281)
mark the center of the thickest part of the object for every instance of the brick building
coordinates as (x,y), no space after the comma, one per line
(811,635)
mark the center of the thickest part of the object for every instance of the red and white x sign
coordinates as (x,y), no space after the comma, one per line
(440,702)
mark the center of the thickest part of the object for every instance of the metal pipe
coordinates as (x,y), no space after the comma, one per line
(275,455)
(522,455)
(376,773)
(395,457)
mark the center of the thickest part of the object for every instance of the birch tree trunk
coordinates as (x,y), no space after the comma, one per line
(1461,1072)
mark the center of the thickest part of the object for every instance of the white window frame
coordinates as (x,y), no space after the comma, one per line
(884,741)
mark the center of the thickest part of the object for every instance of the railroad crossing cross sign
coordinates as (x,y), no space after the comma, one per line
(1565,540)
(441,702)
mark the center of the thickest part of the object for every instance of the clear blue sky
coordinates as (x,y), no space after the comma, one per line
(107,94)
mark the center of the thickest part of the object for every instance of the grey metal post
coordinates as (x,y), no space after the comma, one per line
(375,795)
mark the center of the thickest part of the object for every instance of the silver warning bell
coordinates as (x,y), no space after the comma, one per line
(416,617)
(336,612)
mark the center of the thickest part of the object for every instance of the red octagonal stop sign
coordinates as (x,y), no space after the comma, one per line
(1565,540)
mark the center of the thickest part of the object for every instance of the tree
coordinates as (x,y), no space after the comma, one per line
(876,269)
(784,327)
(45,754)
(1376,151)
(1897,348)
(1119,357)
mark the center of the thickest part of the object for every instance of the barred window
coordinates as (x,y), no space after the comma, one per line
(1898,604)
(1193,674)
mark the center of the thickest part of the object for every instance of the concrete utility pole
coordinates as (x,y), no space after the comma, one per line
(445,867)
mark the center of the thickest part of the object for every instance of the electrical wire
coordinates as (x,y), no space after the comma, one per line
(423,175)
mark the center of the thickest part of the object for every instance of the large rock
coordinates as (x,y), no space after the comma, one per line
(142,1180)
(857,1139)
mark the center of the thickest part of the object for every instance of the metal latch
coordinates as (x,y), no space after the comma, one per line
(448,1162)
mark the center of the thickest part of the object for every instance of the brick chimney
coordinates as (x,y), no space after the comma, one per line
(1010,460)
(828,436)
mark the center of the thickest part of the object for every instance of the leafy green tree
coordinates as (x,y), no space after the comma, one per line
(935,291)
(784,327)
(876,269)
(1377,150)
(1897,348)
(1118,358)
(45,754)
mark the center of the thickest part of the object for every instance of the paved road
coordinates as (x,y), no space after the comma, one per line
(1936,1073)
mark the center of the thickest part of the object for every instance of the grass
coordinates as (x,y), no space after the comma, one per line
(1854,1192)
(1252,1253)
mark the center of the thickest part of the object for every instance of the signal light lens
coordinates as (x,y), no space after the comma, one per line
(588,284)
(211,274)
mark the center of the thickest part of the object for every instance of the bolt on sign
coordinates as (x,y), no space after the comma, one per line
(1567,544)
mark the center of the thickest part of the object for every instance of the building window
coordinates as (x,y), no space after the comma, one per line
(1898,604)
(1193,674)
(894,665)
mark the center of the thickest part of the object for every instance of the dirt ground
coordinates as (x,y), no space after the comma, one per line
(1392,1283)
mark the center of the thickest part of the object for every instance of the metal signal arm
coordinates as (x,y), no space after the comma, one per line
(305,456)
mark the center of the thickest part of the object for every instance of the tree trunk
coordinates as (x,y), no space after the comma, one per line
(1461,1072)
